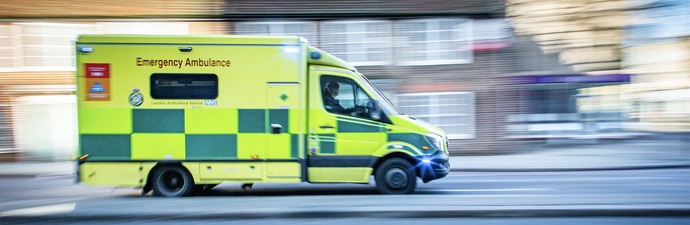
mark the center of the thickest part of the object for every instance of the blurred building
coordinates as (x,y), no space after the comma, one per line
(441,61)
(657,51)
(456,64)
(37,80)
(587,36)
(488,78)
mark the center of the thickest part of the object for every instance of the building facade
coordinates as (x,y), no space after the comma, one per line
(37,80)
(446,62)
(657,49)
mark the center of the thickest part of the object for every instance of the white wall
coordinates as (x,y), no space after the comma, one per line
(45,127)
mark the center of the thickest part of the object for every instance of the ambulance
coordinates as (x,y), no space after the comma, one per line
(178,115)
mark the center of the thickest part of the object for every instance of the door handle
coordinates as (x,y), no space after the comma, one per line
(276,128)
(326,127)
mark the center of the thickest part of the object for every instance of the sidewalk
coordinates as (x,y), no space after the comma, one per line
(648,154)
(630,154)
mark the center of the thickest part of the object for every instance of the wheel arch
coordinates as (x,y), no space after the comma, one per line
(391,155)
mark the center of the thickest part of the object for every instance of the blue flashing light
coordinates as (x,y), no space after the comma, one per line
(315,55)
(425,165)
(85,49)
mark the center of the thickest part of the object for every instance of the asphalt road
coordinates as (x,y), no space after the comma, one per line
(593,197)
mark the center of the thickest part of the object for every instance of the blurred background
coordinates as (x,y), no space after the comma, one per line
(499,76)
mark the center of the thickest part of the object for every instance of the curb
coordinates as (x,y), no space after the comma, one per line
(392,214)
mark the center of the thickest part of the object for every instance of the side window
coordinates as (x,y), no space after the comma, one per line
(362,98)
(343,96)
(346,95)
(184,86)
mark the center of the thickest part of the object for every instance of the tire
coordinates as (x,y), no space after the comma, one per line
(395,176)
(172,181)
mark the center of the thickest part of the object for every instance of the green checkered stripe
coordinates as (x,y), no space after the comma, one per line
(187,134)
(356,129)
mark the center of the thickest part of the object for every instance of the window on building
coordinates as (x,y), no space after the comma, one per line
(658,21)
(552,101)
(491,34)
(360,43)
(307,30)
(451,111)
(50,46)
(433,41)
(7,47)
(180,28)
(32,46)
(6,132)
(184,86)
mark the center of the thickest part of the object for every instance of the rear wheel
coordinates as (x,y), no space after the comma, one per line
(396,176)
(172,181)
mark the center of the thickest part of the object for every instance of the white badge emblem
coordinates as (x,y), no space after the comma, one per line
(136,99)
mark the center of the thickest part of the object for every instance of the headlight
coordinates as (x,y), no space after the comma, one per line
(436,140)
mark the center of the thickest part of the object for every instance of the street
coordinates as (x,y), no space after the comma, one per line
(611,197)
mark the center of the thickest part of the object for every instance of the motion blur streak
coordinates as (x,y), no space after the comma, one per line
(524,85)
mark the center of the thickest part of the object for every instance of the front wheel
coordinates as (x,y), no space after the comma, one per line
(172,181)
(396,176)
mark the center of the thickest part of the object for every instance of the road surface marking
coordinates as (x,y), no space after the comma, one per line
(568,179)
(490,190)
(41,210)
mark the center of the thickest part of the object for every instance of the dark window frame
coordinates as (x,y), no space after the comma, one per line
(184,86)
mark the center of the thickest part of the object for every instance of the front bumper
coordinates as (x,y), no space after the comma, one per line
(432,167)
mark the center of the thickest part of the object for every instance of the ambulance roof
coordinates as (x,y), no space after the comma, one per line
(314,55)
(188,39)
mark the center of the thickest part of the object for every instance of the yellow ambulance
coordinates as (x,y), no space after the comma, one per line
(181,114)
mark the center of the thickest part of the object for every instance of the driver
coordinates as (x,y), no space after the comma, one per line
(330,103)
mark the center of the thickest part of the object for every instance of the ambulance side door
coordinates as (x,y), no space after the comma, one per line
(341,136)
